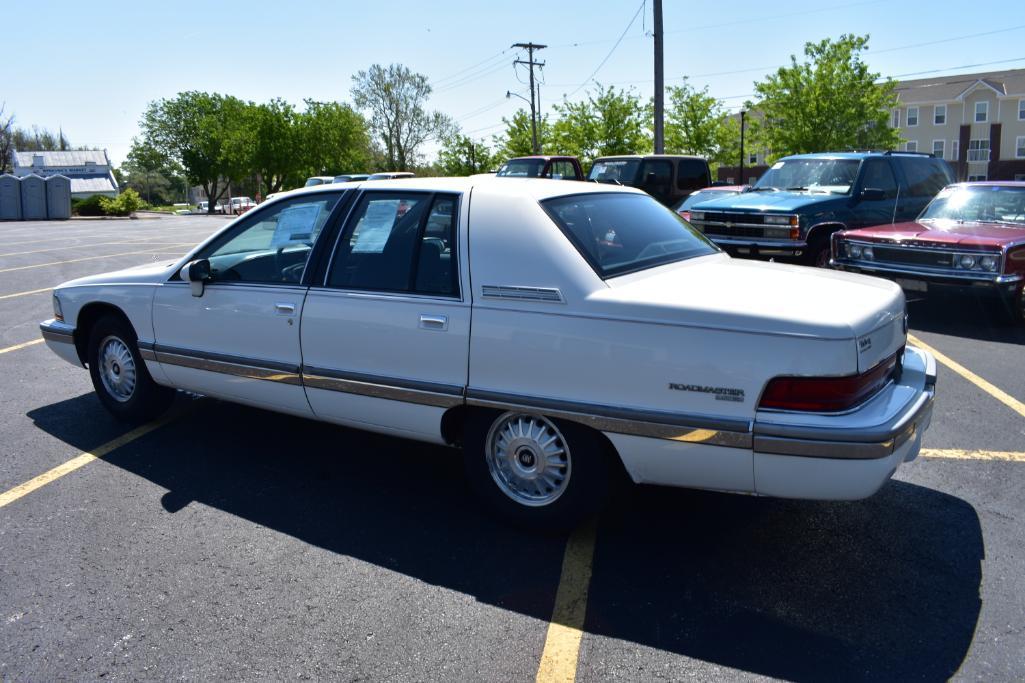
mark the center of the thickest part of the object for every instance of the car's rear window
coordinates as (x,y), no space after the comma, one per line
(621,233)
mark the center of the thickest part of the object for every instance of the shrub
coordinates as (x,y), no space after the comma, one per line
(124,204)
(89,206)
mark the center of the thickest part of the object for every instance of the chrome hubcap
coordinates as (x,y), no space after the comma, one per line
(528,458)
(117,369)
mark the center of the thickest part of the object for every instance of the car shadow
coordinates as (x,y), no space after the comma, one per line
(965,314)
(884,588)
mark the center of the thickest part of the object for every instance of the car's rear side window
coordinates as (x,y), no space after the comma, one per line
(925,176)
(620,233)
(691,174)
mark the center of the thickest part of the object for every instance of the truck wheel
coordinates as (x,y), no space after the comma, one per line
(818,254)
(120,378)
(536,472)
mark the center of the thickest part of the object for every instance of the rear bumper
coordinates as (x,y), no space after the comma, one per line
(60,337)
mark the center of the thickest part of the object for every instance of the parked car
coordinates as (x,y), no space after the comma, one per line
(607,336)
(796,206)
(555,167)
(204,207)
(666,177)
(319,180)
(397,175)
(706,194)
(239,205)
(350,178)
(971,236)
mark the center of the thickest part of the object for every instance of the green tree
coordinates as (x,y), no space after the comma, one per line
(158,179)
(517,140)
(697,123)
(396,99)
(333,139)
(202,132)
(828,102)
(608,122)
(6,139)
(461,155)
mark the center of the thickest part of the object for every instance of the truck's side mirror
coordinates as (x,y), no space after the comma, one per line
(873,194)
(197,274)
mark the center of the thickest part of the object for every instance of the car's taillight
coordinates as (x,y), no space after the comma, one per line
(827,394)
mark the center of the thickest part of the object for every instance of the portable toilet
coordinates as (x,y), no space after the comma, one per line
(58,197)
(10,198)
(33,198)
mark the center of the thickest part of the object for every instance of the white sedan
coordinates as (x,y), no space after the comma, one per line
(559,333)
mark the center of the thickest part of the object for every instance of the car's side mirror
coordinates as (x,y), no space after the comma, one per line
(873,194)
(197,274)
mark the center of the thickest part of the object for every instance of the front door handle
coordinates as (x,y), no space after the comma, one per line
(284,308)
(433,322)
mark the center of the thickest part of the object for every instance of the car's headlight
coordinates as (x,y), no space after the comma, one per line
(58,313)
(988,263)
(867,254)
(697,215)
(855,250)
(780,220)
(966,261)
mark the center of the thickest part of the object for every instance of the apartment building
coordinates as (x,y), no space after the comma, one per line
(974,121)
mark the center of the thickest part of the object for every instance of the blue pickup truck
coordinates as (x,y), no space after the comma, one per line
(801,200)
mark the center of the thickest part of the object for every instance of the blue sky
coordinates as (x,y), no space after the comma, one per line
(92,67)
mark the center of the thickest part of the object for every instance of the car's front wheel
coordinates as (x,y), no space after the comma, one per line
(537,472)
(120,378)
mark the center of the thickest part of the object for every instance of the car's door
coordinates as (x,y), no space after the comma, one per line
(240,339)
(385,334)
(923,178)
(876,194)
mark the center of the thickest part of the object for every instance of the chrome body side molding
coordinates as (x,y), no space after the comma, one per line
(392,388)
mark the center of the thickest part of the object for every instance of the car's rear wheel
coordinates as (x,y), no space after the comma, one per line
(119,375)
(540,473)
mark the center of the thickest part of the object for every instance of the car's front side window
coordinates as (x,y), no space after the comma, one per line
(274,244)
(619,233)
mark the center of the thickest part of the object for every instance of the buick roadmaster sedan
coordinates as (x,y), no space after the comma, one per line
(561,334)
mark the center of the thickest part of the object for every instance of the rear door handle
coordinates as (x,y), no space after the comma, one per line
(433,322)
(284,308)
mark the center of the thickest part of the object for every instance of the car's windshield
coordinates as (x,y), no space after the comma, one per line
(813,175)
(622,171)
(1002,204)
(522,168)
(622,233)
(704,196)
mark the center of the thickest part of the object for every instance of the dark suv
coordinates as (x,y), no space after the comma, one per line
(666,177)
(801,200)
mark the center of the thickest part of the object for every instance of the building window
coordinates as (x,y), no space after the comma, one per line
(752,159)
(939,115)
(938,148)
(1021,110)
(976,178)
(981,112)
(911,146)
(1019,147)
(955,150)
(895,119)
(912,117)
(978,150)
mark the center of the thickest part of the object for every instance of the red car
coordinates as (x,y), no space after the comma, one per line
(971,235)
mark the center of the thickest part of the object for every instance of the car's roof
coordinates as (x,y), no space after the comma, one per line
(857,155)
(544,156)
(538,188)
(650,156)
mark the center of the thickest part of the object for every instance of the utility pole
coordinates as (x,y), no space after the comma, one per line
(530,47)
(742,114)
(659,82)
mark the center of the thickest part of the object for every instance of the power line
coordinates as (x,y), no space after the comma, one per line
(492,58)
(470,78)
(949,40)
(602,63)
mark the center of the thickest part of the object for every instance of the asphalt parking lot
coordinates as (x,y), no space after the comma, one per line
(231,543)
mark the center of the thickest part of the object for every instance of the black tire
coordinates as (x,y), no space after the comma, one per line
(145,399)
(587,484)
(818,253)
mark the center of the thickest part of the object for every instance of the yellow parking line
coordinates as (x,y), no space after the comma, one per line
(958,454)
(1000,395)
(93,244)
(11,495)
(31,291)
(21,346)
(562,645)
(79,260)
